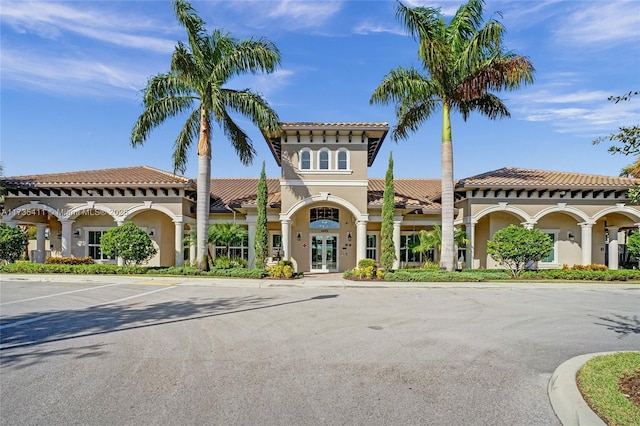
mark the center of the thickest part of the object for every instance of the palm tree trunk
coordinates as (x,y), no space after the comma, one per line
(448,255)
(203,192)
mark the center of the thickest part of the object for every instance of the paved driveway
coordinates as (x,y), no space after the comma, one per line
(133,353)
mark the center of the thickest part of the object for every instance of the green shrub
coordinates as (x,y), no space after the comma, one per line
(224,262)
(129,242)
(69,260)
(13,241)
(283,269)
(365,263)
(515,247)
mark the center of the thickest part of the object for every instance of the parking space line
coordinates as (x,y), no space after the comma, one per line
(57,294)
(42,317)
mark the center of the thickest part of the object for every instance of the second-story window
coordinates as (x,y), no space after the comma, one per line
(323,160)
(342,160)
(305,160)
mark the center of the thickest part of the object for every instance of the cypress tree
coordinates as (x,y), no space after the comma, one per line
(262,235)
(387,246)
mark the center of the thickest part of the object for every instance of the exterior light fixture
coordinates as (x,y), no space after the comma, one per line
(348,236)
(571,236)
(299,236)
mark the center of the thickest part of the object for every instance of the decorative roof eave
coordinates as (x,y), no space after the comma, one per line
(14,184)
(376,133)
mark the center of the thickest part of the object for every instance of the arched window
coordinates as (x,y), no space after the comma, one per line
(323,159)
(343,159)
(324,218)
(305,159)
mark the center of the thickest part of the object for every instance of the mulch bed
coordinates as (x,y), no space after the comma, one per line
(630,387)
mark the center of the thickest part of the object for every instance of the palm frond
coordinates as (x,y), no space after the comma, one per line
(186,138)
(402,84)
(487,104)
(239,139)
(252,106)
(195,26)
(248,56)
(411,117)
(162,100)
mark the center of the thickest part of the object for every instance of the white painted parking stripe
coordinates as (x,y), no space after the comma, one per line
(57,294)
(42,317)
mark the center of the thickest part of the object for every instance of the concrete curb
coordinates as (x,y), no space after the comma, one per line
(301,283)
(566,399)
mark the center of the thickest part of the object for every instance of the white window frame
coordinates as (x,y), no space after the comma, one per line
(320,152)
(273,248)
(104,258)
(302,151)
(554,263)
(376,235)
(348,159)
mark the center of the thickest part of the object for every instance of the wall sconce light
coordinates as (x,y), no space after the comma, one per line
(77,232)
(571,236)
(349,236)
(59,234)
(299,236)
(152,232)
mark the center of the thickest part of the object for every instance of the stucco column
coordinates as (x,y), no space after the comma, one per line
(470,229)
(251,225)
(65,238)
(286,238)
(119,259)
(40,246)
(10,223)
(585,242)
(192,252)
(178,242)
(361,240)
(397,223)
(613,247)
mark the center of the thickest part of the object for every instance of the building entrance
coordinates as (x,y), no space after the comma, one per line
(324,253)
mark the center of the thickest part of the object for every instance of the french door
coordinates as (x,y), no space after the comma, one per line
(324,253)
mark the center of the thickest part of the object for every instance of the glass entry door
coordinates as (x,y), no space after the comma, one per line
(324,253)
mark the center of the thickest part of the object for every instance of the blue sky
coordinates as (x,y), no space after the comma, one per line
(72,72)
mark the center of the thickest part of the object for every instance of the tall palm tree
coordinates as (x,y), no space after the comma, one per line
(194,87)
(462,62)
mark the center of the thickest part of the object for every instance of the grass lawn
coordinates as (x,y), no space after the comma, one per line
(610,384)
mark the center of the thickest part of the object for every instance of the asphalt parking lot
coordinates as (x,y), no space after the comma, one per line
(134,352)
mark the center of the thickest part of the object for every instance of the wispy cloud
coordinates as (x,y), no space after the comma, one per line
(71,76)
(268,84)
(585,113)
(369,27)
(51,20)
(307,13)
(601,23)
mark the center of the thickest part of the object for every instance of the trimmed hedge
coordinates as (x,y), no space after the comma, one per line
(582,275)
(102,269)
(96,268)
(421,275)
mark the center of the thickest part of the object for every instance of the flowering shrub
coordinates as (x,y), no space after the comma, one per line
(69,260)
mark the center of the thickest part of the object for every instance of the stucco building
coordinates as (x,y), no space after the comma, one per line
(324,212)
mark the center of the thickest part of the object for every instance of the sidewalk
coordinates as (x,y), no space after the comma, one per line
(311,281)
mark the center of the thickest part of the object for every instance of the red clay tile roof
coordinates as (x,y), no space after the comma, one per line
(525,178)
(139,176)
(314,125)
(412,193)
(236,191)
(409,192)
